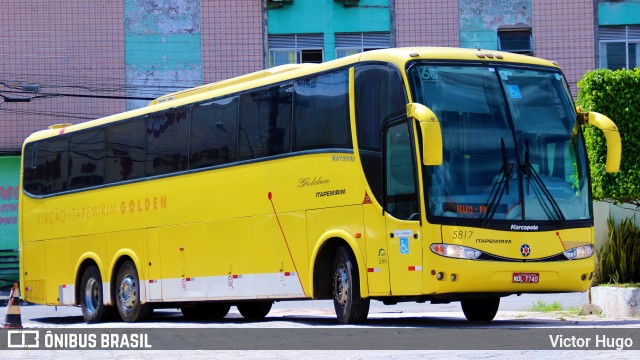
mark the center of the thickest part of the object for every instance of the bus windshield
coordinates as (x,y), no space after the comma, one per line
(512,149)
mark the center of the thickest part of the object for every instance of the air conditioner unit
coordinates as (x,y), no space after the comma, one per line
(278,3)
(348,3)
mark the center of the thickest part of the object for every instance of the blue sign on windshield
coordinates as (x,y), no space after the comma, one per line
(514,91)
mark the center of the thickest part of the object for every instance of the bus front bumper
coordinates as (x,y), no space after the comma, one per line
(457,276)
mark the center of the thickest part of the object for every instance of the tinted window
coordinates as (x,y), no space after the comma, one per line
(86,152)
(214,133)
(321,117)
(265,122)
(57,165)
(125,151)
(380,97)
(34,160)
(167,142)
(401,195)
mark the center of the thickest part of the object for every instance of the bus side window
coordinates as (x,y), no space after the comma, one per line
(125,151)
(214,133)
(380,97)
(265,122)
(56,176)
(86,152)
(34,168)
(321,112)
(400,182)
(167,141)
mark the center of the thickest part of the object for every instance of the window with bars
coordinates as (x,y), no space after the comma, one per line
(353,43)
(295,49)
(515,39)
(619,46)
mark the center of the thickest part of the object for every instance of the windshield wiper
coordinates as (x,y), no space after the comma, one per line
(499,188)
(531,173)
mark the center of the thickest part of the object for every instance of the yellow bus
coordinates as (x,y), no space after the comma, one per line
(409,174)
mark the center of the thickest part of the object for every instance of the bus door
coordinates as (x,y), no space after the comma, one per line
(401,205)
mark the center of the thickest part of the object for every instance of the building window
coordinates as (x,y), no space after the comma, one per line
(515,39)
(619,47)
(295,49)
(353,43)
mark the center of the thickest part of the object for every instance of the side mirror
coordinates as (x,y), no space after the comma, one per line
(611,135)
(431,133)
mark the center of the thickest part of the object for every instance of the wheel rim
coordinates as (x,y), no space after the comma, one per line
(128,292)
(92,295)
(341,285)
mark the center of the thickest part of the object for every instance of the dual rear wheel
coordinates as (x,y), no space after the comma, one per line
(127,293)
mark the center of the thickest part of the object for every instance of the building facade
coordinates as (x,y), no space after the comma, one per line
(618,34)
(82,59)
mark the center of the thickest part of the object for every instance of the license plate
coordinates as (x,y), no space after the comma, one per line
(529,278)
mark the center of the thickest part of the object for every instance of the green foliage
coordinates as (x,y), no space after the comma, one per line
(620,257)
(542,306)
(615,94)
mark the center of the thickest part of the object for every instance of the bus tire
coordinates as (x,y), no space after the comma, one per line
(205,311)
(255,310)
(350,307)
(127,291)
(480,309)
(91,296)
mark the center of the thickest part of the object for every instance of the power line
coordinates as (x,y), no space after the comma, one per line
(47,95)
(50,114)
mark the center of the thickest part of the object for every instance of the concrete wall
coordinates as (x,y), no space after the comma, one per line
(162,41)
(603,210)
(480,19)
(619,13)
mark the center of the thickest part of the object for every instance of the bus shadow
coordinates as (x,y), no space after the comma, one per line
(313,320)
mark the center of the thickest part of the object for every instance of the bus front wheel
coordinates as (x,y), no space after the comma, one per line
(128,294)
(350,307)
(91,297)
(255,310)
(480,309)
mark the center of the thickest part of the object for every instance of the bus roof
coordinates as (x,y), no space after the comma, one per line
(398,56)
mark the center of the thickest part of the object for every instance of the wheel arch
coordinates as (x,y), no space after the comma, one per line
(120,258)
(322,263)
(86,260)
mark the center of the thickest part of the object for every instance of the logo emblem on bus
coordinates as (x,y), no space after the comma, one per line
(525,250)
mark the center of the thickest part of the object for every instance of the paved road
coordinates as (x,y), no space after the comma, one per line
(305,315)
(64,316)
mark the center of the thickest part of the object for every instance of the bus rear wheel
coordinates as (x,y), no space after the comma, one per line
(480,309)
(255,310)
(205,311)
(91,296)
(128,294)
(350,307)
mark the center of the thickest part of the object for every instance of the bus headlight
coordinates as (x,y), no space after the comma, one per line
(455,251)
(579,252)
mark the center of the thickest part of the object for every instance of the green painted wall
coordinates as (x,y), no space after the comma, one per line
(329,17)
(9,183)
(480,19)
(619,13)
(163,49)
(9,188)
